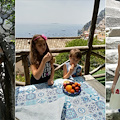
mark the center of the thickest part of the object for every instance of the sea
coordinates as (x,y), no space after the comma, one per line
(49,30)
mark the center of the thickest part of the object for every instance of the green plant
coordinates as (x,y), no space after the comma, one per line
(9,5)
(62,57)
(13,41)
(58,74)
(20,78)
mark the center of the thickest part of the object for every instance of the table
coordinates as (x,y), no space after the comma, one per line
(88,105)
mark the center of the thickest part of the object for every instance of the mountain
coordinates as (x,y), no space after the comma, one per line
(100,18)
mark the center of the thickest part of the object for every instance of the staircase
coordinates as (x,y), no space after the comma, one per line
(112,41)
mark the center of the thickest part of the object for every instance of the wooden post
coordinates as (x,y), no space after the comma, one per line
(26,69)
(90,40)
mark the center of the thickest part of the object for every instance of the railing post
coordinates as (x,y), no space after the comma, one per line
(26,69)
(91,34)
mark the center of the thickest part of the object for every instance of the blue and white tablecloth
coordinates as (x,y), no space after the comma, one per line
(88,105)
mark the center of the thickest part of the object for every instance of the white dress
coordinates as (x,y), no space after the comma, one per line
(115,98)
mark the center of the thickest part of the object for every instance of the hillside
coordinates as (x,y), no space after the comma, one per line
(100,18)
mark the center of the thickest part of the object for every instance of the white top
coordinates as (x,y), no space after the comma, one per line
(76,71)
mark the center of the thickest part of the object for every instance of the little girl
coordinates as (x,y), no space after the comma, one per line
(115,97)
(41,61)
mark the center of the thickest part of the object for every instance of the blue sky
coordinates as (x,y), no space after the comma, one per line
(54,11)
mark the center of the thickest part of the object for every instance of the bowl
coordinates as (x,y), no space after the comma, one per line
(77,92)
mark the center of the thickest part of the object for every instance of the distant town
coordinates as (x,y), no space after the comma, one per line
(99,31)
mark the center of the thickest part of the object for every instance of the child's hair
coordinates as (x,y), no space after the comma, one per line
(35,57)
(76,53)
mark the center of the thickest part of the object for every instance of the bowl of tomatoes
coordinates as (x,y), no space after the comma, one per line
(71,88)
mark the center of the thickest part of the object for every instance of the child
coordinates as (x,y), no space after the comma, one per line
(41,61)
(72,68)
(115,96)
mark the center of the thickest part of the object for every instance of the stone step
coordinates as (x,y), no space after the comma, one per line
(109,110)
(112,42)
(111,114)
(108,90)
(109,84)
(110,71)
(113,3)
(109,76)
(111,67)
(112,21)
(111,56)
(114,32)
(111,11)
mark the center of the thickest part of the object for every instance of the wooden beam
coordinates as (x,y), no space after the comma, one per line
(91,34)
(65,49)
(83,53)
(26,69)
(18,59)
(82,48)
(96,69)
(98,55)
(99,75)
(61,65)
(95,84)
(19,83)
(56,65)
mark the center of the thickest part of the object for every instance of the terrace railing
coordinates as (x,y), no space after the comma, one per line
(23,55)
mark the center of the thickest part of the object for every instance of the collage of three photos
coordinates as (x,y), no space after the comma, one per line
(60,60)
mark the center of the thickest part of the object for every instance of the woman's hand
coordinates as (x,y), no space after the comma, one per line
(47,57)
(113,88)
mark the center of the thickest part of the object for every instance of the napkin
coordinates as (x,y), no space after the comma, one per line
(45,111)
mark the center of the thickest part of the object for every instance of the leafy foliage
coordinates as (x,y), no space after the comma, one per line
(62,57)
(58,74)
(13,41)
(20,78)
(7,8)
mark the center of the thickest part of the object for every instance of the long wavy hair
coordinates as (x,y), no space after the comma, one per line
(35,57)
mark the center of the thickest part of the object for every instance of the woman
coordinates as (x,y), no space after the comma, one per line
(115,96)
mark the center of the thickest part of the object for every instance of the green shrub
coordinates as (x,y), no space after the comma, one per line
(58,74)
(82,42)
(20,78)
(62,57)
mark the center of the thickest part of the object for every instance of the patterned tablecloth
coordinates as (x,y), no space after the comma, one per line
(88,105)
